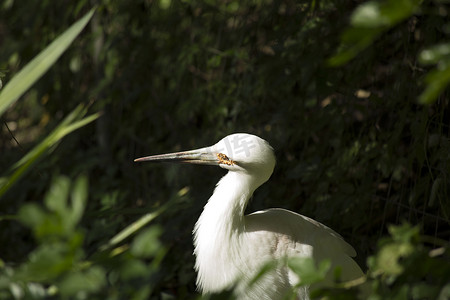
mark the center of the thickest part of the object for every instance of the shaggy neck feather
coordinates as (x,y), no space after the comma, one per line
(217,233)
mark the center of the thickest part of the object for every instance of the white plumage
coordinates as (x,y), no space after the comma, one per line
(230,248)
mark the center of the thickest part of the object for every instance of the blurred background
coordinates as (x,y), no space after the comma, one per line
(351,95)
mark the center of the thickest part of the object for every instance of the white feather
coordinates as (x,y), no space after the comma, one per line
(230,247)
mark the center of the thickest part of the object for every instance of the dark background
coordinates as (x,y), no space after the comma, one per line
(354,148)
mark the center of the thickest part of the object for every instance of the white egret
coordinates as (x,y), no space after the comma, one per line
(230,247)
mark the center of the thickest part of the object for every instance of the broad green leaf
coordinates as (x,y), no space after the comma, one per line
(36,290)
(388,258)
(40,221)
(404,232)
(56,198)
(78,198)
(32,215)
(307,271)
(437,81)
(369,15)
(91,280)
(354,40)
(383,13)
(164,4)
(435,54)
(47,262)
(34,70)
(368,22)
(147,243)
(134,268)
(445,292)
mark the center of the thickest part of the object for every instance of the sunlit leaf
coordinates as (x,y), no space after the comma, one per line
(59,219)
(445,292)
(47,262)
(404,232)
(132,228)
(32,215)
(368,22)
(78,198)
(354,40)
(24,79)
(56,198)
(307,270)
(40,64)
(164,4)
(389,256)
(435,54)
(369,15)
(437,80)
(72,122)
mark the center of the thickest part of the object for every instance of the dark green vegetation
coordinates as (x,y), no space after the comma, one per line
(350,94)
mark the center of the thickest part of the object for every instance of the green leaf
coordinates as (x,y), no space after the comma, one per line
(404,233)
(383,14)
(134,268)
(133,228)
(445,292)
(60,219)
(307,271)
(388,258)
(437,80)
(91,280)
(368,22)
(69,124)
(164,4)
(56,198)
(354,40)
(369,15)
(47,262)
(434,54)
(147,244)
(78,197)
(31,215)
(34,70)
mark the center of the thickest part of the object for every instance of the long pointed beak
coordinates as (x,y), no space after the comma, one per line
(202,156)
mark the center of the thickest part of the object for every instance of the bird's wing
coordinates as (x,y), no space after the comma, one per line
(299,229)
(291,234)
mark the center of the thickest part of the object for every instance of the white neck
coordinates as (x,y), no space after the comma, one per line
(217,233)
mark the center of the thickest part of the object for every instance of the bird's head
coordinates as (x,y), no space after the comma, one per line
(239,152)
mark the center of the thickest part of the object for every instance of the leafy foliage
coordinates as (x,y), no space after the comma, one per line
(406,269)
(59,264)
(373,18)
(357,148)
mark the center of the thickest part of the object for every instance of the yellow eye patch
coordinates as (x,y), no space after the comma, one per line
(223,159)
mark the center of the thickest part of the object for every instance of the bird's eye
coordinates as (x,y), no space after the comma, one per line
(223,159)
